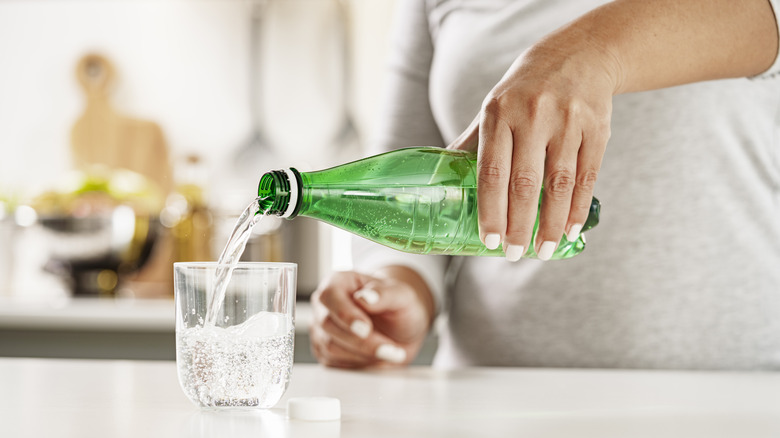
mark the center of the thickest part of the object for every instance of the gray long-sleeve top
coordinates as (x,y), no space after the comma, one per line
(683,270)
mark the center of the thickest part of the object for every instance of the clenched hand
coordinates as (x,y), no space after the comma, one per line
(362,320)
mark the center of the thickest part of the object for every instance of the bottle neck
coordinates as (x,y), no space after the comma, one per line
(281,191)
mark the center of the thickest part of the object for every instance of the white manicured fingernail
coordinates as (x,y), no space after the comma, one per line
(546,250)
(514,252)
(360,328)
(391,353)
(492,240)
(574,232)
(370,296)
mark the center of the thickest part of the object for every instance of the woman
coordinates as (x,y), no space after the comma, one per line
(684,269)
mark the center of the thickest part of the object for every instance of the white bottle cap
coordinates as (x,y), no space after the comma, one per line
(314,408)
(293,201)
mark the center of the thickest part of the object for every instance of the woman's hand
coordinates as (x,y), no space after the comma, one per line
(362,320)
(546,122)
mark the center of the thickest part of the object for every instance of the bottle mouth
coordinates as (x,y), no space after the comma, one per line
(593,215)
(282,191)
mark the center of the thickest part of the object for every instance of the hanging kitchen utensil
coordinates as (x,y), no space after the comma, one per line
(256,147)
(346,141)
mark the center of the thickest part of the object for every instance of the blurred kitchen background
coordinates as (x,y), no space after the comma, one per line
(133,134)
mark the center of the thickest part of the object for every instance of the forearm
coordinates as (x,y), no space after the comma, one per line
(654,44)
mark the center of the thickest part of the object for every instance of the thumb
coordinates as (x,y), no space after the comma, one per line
(468,140)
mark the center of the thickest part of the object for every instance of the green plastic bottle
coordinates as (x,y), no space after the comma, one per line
(421,200)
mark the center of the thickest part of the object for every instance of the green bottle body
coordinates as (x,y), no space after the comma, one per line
(420,200)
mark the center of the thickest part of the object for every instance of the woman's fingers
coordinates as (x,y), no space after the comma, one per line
(334,348)
(335,304)
(588,165)
(544,124)
(547,148)
(360,321)
(494,162)
(336,345)
(525,182)
(335,315)
(559,183)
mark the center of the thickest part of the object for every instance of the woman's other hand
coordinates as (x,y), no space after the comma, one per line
(362,320)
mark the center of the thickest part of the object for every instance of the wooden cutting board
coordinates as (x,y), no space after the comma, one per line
(104,136)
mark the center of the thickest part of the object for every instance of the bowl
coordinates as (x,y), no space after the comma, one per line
(92,253)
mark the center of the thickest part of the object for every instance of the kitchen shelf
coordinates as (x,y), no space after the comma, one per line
(103,328)
(115,328)
(105,314)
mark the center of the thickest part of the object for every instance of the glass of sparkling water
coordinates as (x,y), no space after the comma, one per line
(237,352)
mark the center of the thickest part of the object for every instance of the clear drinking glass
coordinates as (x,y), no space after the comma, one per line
(246,357)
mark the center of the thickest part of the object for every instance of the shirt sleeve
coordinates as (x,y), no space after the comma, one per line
(774,70)
(405,119)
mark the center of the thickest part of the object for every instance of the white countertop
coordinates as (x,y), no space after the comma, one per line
(79,398)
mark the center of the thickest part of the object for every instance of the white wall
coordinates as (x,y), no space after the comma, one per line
(180,64)
(184,64)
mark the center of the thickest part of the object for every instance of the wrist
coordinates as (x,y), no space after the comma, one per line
(584,49)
